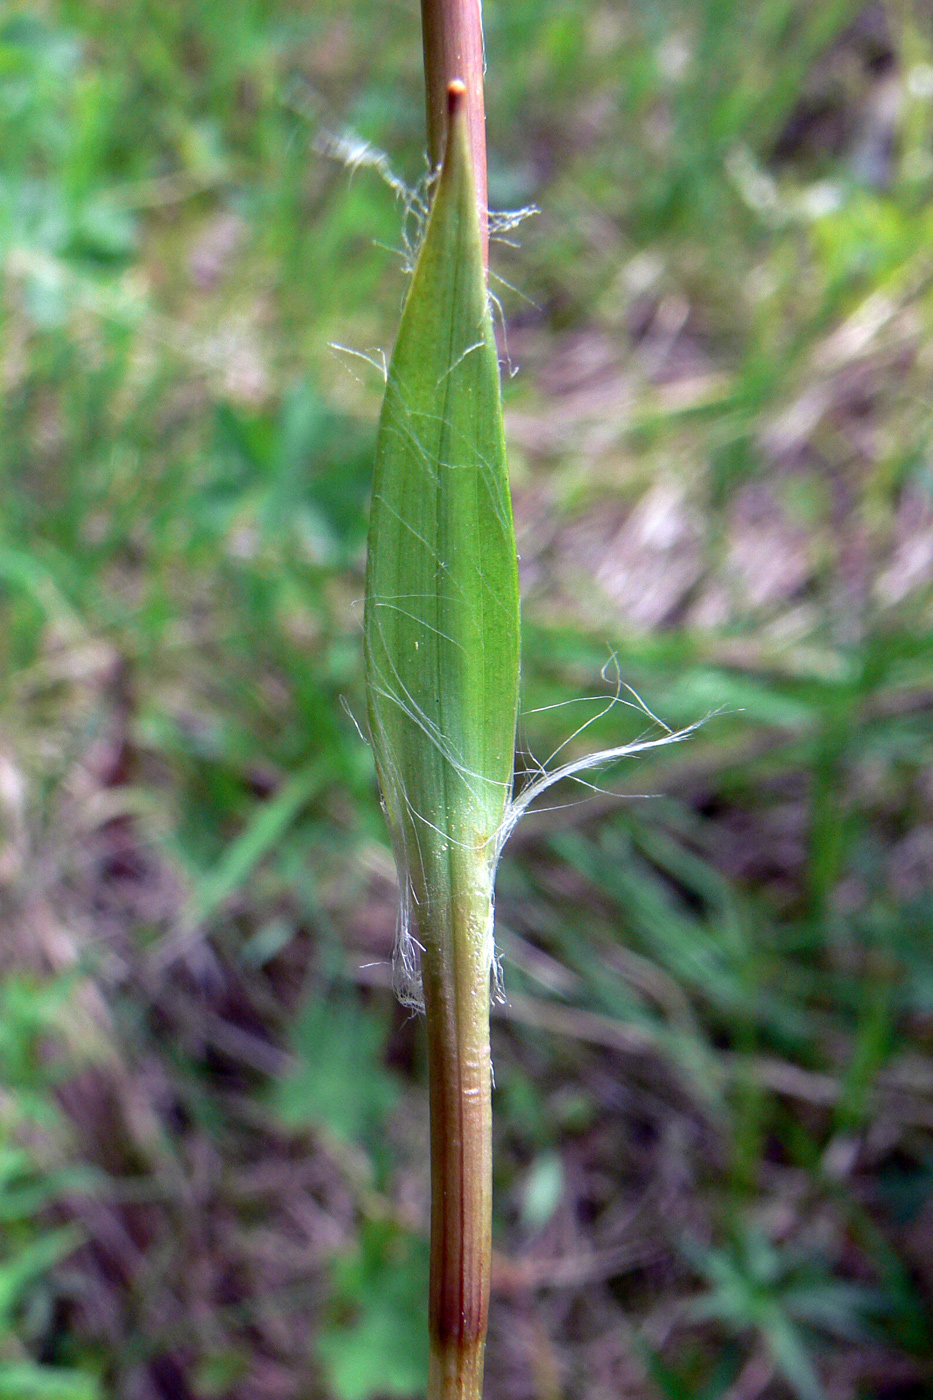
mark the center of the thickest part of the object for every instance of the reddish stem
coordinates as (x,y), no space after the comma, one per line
(453,49)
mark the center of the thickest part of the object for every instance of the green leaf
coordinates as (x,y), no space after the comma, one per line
(27,1382)
(340,1082)
(264,830)
(441,628)
(30,1262)
(544,1187)
(379,1344)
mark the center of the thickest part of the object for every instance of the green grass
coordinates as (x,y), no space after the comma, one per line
(714,1080)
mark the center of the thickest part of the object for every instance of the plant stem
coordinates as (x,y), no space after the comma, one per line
(455,973)
(453,48)
(442,640)
(455,930)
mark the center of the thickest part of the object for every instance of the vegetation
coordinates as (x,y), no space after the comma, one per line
(442,660)
(714,1069)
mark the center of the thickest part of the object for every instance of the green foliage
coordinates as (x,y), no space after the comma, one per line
(729,301)
(781,1295)
(59,219)
(340,1083)
(31,1248)
(43,1383)
(375,1342)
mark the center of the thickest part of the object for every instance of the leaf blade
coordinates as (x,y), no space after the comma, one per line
(441,628)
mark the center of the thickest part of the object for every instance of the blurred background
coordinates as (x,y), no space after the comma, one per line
(714,1069)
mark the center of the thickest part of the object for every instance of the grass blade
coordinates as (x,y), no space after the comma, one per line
(442,640)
